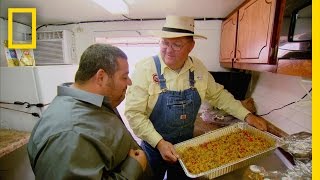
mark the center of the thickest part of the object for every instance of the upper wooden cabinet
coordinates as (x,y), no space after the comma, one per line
(247,36)
(250,37)
(228,39)
(255,25)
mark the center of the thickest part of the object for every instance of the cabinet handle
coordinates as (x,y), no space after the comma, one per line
(235,60)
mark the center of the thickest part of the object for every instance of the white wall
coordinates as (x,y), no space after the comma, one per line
(85,34)
(18,84)
(273,91)
(33,85)
(29,84)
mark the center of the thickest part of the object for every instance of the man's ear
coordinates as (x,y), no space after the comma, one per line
(100,76)
(192,45)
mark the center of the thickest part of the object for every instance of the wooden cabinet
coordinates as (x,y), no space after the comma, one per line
(255,27)
(247,37)
(228,39)
(250,37)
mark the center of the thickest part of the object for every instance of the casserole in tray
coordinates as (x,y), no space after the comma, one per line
(223,134)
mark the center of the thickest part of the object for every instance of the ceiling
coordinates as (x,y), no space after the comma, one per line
(72,11)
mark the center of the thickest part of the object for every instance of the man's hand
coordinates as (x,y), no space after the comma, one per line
(140,156)
(257,122)
(249,104)
(167,151)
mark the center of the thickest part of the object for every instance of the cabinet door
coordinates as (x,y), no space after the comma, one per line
(228,38)
(255,28)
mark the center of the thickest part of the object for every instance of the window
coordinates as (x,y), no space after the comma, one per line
(136,48)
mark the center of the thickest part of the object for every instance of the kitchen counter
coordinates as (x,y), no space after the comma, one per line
(10,140)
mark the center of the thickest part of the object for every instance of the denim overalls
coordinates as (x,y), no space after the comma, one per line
(173,117)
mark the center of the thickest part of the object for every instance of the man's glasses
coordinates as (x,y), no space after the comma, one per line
(174,46)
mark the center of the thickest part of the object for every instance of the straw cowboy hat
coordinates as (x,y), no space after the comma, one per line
(178,26)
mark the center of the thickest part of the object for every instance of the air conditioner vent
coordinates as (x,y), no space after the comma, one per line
(46,35)
(54,47)
(49,52)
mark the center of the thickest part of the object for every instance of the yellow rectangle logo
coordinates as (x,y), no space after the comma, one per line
(33,44)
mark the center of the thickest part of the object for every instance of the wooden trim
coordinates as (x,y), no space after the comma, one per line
(226,64)
(255,67)
(277,26)
(295,67)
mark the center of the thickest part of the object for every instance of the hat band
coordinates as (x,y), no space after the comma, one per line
(176,30)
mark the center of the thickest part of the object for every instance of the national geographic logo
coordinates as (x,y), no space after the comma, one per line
(33,12)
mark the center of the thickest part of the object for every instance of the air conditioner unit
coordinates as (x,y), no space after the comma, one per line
(54,48)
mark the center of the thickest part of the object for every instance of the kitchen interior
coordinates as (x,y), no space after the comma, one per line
(260,50)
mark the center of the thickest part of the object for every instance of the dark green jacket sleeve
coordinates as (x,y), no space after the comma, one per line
(84,157)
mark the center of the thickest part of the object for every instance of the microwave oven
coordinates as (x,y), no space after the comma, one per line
(295,37)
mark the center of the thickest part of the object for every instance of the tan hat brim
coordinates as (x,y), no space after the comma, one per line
(164,34)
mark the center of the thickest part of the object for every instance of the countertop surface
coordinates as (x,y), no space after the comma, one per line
(11,140)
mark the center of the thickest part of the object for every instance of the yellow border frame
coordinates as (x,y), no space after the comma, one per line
(315,90)
(33,12)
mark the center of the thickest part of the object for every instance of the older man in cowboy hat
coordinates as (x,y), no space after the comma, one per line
(166,93)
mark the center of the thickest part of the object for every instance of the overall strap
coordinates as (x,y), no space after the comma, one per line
(191,77)
(162,80)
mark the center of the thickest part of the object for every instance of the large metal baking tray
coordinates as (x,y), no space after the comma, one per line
(226,168)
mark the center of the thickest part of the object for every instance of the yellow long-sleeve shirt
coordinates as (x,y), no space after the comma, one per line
(143,94)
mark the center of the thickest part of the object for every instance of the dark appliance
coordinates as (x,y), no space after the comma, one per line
(295,37)
(235,82)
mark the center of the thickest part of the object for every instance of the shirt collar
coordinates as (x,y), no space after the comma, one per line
(66,90)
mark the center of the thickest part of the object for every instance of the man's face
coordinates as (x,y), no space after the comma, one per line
(117,84)
(175,51)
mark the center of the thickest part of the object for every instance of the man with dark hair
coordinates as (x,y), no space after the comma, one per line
(81,134)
